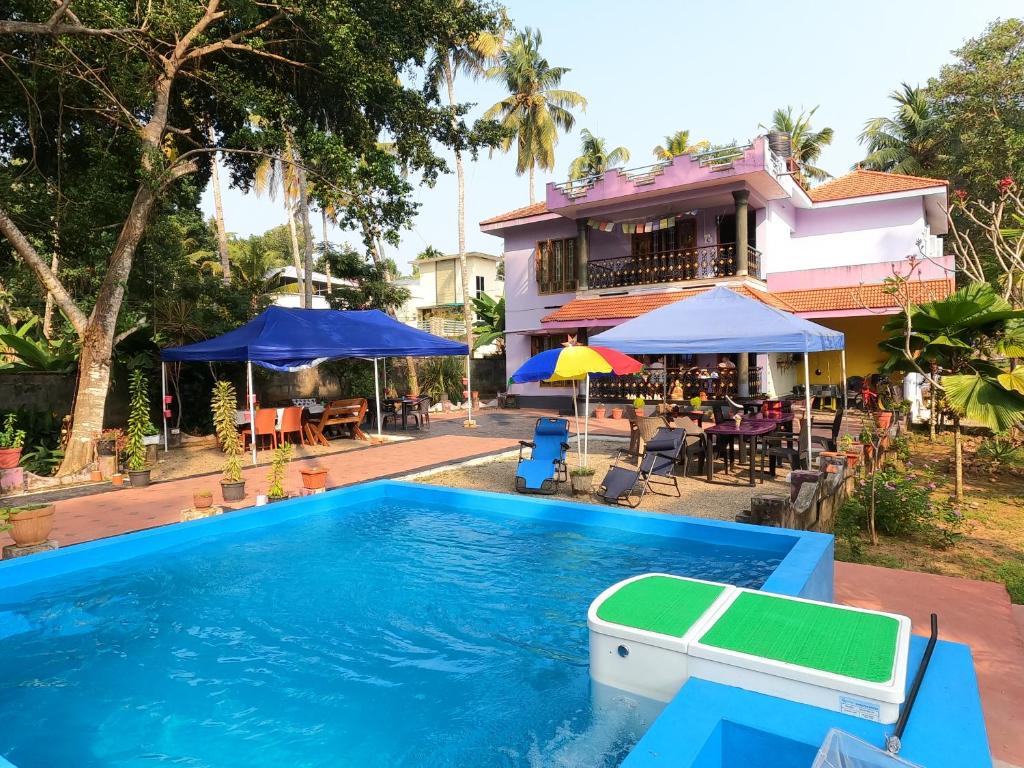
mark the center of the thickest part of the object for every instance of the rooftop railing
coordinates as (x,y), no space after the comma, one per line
(684,265)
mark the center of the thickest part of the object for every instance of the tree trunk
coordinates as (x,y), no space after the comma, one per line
(48,310)
(532,198)
(307,234)
(958,459)
(296,259)
(218,217)
(327,261)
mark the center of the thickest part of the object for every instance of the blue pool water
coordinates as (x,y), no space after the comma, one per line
(388,634)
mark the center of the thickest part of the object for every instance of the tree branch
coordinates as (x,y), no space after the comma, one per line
(40,28)
(137,326)
(42,271)
(229,42)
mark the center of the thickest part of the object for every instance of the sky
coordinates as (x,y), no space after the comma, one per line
(650,68)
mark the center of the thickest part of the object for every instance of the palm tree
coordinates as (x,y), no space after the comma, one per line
(535,108)
(595,158)
(679,144)
(218,215)
(807,143)
(280,171)
(906,142)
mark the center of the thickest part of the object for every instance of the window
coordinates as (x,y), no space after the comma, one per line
(665,242)
(556,265)
(479,285)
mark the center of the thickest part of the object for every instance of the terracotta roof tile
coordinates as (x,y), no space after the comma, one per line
(861,296)
(536,209)
(634,305)
(860,182)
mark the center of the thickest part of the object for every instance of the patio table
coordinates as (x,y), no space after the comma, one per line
(402,405)
(748,431)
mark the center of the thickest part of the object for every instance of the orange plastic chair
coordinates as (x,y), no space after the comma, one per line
(291,422)
(266,426)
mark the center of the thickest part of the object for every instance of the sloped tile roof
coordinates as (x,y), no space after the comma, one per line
(634,305)
(861,296)
(860,183)
(536,209)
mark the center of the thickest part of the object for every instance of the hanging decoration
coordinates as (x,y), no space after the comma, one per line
(637,227)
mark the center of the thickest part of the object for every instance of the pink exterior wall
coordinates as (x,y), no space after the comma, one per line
(682,171)
(855,274)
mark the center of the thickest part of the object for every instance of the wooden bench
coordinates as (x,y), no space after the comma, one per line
(349,413)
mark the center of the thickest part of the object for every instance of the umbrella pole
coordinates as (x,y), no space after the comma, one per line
(807,405)
(376,392)
(250,399)
(842,357)
(586,424)
(576,410)
(163,399)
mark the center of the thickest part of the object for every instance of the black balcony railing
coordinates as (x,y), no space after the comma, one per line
(686,264)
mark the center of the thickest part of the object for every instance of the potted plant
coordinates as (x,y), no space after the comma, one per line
(202,499)
(135,458)
(232,484)
(884,419)
(846,446)
(29,525)
(275,490)
(600,411)
(638,405)
(314,478)
(695,403)
(582,479)
(617,411)
(11,442)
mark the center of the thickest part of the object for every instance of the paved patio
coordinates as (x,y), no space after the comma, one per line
(972,612)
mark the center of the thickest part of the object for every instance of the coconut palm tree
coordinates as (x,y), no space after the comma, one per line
(679,144)
(270,174)
(906,142)
(536,108)
(807,143)
(595,158)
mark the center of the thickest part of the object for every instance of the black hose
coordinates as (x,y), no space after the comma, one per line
(894,742)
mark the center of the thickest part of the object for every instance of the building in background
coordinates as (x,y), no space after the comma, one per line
(287,291)
(608,248)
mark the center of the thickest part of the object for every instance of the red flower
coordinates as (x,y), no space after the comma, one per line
(1005,184)
(961,195)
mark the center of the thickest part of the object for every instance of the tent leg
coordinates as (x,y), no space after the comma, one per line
(842,357)
(586,426)
(807,406)
(163,399)
(250,399)
(376,392)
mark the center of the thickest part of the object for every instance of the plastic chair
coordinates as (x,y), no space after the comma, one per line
(291,422)
(266,426)
(420,412)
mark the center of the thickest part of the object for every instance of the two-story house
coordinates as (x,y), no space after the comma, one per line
(608,248)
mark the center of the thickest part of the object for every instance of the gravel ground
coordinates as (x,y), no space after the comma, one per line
(720,501)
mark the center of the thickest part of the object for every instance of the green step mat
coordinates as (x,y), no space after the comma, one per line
(821,637)
(659,604)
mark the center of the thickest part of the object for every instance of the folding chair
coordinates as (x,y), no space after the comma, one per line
(546,467)
(628,485)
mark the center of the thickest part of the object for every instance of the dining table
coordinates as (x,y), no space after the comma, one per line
(749,432)
(402,406)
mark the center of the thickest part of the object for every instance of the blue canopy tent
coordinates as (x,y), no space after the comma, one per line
(723,321)
(285,339)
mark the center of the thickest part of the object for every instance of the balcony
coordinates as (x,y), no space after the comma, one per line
(703,263)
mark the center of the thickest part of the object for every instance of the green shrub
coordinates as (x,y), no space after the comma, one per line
(9,436)
(1012,575)
(223,407)
(999,450)
(282,454)
(441,376)
(139,423)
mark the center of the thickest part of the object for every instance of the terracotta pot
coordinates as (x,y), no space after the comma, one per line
(617,413)
(599,412)
(314,478)
(139,478)
(9,457)
(852,459)
(117,479)
(884,419)
(96,476)
(232,491)
(31,525)
(202,500)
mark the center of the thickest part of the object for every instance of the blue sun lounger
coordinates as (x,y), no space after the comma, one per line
(546,466)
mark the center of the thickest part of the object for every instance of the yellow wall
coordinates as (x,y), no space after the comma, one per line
(863,357)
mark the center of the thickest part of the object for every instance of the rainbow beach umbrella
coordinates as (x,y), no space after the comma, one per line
(575,362)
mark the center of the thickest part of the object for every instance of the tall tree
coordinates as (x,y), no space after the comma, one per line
(908,141)
(595,158)
(471,56)
(282,171)
(218,216)
(807,143)
(679,144)
(145,82)
(536,108)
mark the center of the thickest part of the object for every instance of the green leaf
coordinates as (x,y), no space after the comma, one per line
(1013,381)
(984,400)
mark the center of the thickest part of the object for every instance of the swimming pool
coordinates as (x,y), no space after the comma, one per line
(385,624)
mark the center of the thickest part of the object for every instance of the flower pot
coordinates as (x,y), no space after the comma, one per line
(852,459)
(599,412)
(9,457)
(117,479)
(274,499)
(31,525)
(139,478)
(151,439)
(581,484)
(202,500)
(884,419)
(617,413)
(232,490)
(95,476)
(314,478)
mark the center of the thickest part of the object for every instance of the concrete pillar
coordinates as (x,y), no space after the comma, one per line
(582,251)
(740,196)
(742,374)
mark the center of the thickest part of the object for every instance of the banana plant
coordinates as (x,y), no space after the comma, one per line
(489,327)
